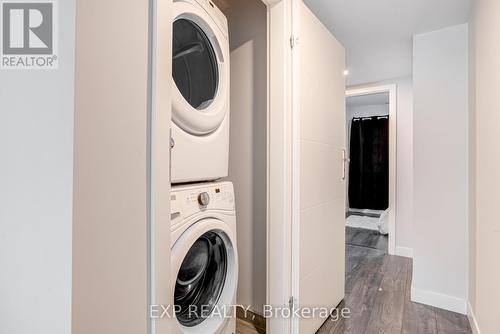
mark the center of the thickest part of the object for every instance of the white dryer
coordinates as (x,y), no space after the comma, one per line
(200,92)
(204,258)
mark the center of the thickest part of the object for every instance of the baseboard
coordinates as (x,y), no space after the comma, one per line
(404,251)
(472,319)
(439,300)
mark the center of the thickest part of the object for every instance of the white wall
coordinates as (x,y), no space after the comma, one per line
(248,143)
(440,78)
(111,191)
(404,164)
(36,178)
(472,280)
(404,168)
(484,292)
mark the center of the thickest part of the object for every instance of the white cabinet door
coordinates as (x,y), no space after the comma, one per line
(319,228)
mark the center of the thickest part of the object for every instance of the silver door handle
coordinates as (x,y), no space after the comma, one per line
(172,144)
(344,160)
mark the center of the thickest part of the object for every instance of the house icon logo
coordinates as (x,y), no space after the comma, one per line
(28,35)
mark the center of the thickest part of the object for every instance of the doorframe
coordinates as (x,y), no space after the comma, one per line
(282,162)
(159,186)
(392,90)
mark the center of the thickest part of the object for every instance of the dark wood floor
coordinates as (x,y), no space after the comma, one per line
(378,294)
(365,238)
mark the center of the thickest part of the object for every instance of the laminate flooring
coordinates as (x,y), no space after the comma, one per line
(243,327)
(378,294)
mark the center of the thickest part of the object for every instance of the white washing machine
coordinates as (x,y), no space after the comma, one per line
(200,92)
(204,258)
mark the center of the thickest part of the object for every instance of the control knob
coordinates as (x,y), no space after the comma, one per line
(203,199)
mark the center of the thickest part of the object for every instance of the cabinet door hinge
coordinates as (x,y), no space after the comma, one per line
(292,302)
(293,41)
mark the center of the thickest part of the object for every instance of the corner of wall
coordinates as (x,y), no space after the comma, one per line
(472,319)
(404,251)
(471,134)
(440,61)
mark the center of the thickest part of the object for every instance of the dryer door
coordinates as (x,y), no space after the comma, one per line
(204,263)
(200,70)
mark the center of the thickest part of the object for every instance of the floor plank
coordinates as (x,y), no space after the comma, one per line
(366,238)
(387,312)
(452,323)
(244,327)
(358,256)
(362,284)
(417,318)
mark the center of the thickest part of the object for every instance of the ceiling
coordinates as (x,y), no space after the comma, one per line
(377,34)
(368,99)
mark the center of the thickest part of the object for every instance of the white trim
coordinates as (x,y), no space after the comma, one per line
(439,300)
(295,159)
(279,162)
(159,160)
(392,90)
(472,319)
(404,251)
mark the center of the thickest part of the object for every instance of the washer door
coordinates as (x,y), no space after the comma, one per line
(204,276)
(199,71)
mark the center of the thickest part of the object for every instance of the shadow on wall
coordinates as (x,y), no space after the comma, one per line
(247,20)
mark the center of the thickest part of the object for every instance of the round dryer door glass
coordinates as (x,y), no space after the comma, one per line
(194,64)
(200,280)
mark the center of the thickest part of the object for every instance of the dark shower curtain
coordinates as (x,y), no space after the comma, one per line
(369,163)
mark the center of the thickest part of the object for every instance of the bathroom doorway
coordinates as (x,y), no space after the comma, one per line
(370,170)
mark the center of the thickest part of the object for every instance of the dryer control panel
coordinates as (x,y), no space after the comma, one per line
(186,201)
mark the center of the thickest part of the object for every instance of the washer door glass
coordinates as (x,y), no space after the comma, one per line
(194,64)
(200,280)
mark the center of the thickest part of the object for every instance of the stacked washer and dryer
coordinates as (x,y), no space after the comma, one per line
(204,256)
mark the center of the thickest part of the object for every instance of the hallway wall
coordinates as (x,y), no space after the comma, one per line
(36,191)
(440,126)
(111,192)
(484,291)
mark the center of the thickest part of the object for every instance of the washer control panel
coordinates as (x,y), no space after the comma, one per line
(189,200)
